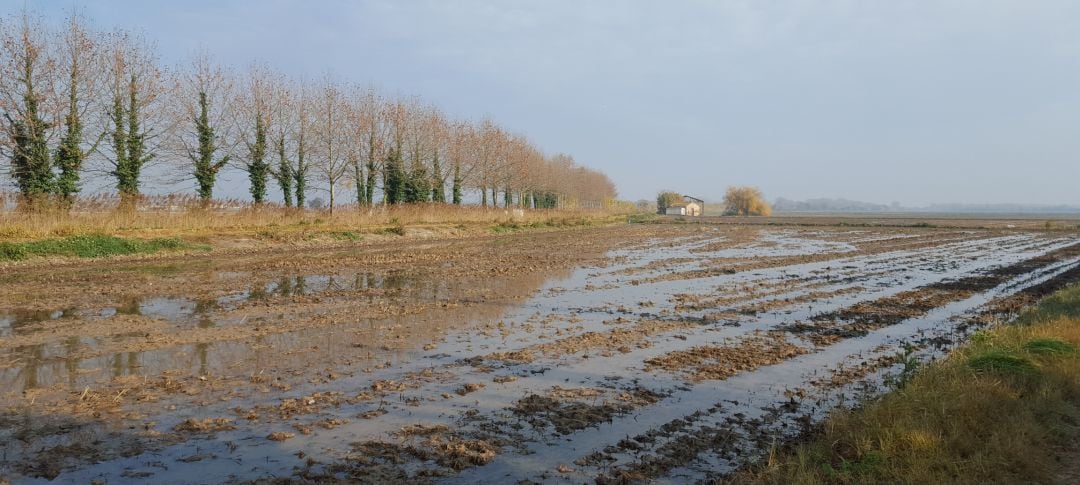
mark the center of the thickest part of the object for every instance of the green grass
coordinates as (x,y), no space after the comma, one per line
(1001,360)
(1064,303)
(1049,346)
(88,246)
(1004,408)
(642,218)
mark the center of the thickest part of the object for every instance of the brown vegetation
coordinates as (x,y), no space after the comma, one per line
(187,216)
(745,201)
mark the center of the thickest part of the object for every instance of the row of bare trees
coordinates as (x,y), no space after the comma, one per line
(78,102)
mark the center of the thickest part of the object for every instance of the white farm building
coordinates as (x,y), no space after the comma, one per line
(690,206)
(684,209)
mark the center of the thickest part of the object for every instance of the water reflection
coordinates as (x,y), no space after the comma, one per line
(77,361)
(17,320)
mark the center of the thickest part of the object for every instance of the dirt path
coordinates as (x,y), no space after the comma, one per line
(669,352)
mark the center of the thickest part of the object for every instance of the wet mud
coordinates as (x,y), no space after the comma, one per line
(664,352)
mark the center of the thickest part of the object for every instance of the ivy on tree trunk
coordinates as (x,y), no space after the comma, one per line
(206,168)
(69,154)
(257,168)
(284,175)
(457,184)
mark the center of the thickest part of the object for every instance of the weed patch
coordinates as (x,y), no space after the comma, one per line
(1049,346)
(346,236)
(643,219)
(848,470)
(392,230)
(90,246)
(1001,361)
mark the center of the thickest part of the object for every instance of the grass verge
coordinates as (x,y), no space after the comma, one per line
(88,246)
(1005,408)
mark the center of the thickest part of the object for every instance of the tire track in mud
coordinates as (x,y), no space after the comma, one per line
(616,294)
(716,435)
(714,267)
(864,317)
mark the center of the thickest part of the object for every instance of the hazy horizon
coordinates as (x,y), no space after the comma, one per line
(918,103)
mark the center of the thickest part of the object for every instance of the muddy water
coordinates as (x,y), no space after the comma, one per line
(79,360)
(547,376)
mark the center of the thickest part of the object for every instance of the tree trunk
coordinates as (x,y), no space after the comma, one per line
(331,198)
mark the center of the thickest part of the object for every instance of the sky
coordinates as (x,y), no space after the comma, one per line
(917,102)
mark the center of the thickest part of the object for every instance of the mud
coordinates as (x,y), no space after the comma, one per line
(569,410)
(663,352)
(720,362)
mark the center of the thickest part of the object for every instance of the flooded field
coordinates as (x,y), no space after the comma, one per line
(671,352)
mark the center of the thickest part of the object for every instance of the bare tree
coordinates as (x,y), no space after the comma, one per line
(368,134)
(460,149)
(302,111)
(375,140)
(438,137)
(331,135)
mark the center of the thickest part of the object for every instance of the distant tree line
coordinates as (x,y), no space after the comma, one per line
(76,101)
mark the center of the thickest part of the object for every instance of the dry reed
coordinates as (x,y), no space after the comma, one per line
(183,215)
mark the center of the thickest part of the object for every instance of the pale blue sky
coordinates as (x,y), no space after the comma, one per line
(910,101)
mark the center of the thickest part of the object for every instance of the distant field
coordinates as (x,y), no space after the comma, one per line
(1002,221)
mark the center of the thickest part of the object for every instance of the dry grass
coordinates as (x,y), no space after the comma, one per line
(1003,409)
(168,216)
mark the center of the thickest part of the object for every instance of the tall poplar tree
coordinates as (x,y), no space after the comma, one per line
(31,162)
(394,178)
(70,156)
(257,168)
(284,173)
(206,167)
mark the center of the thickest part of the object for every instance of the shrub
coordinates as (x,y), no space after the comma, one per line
(745,201)
(666,199)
